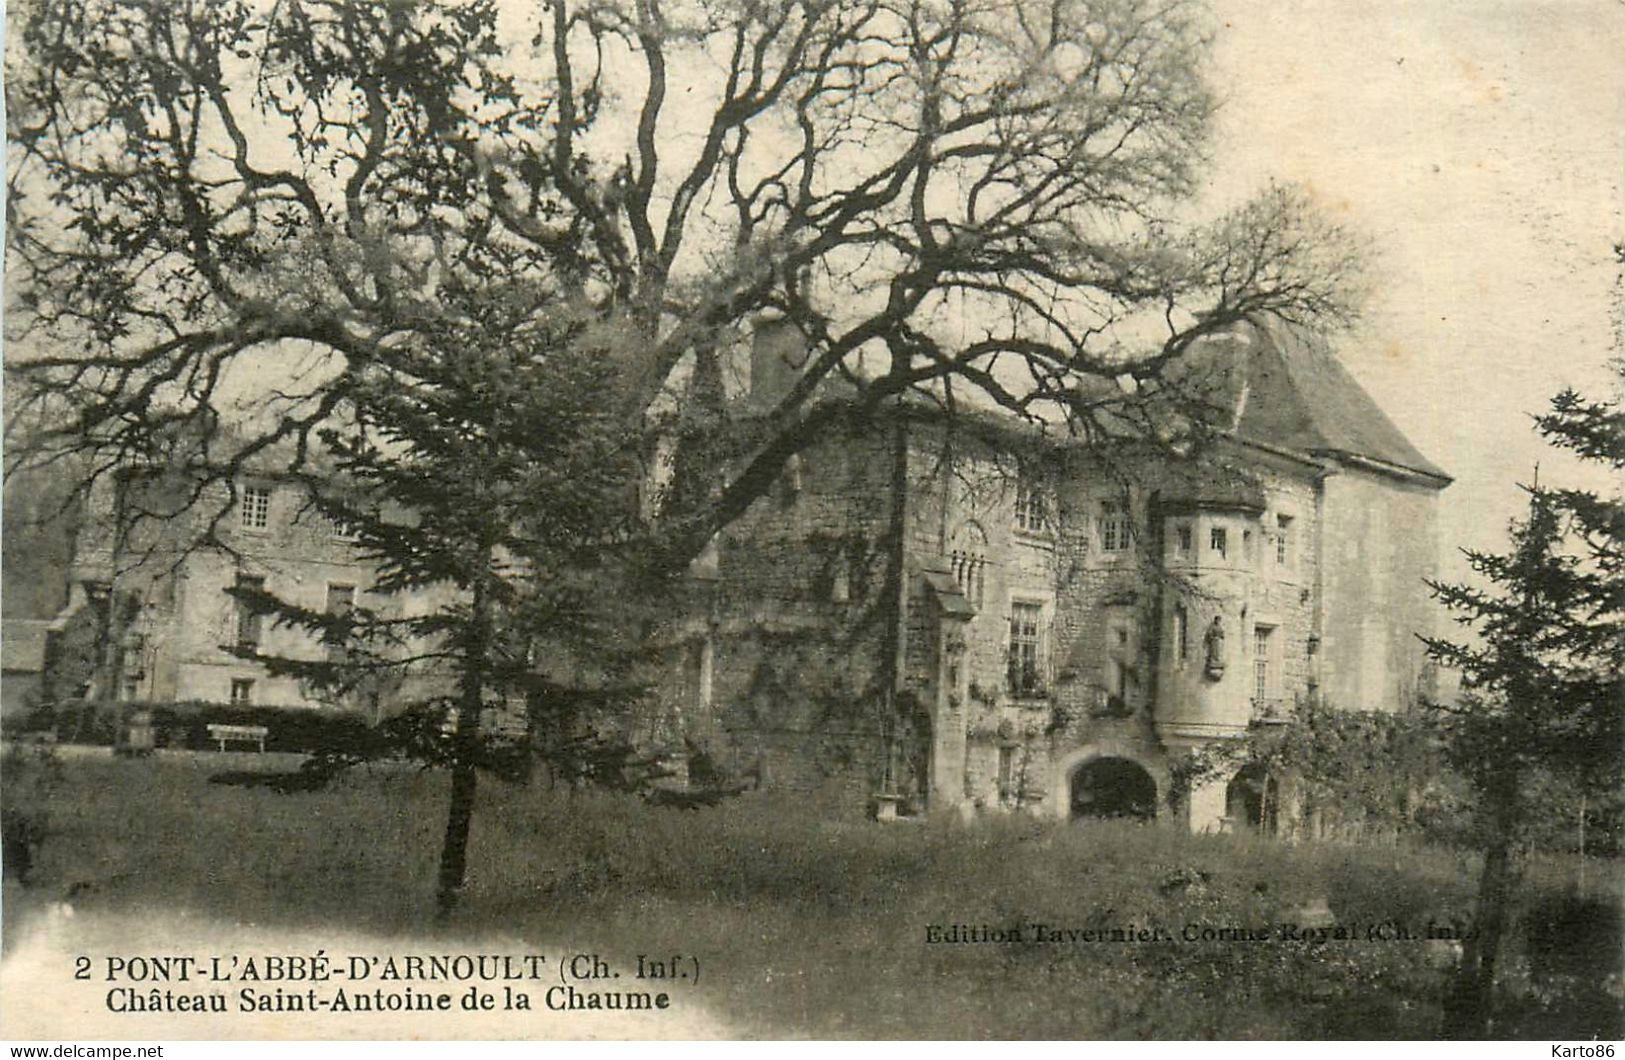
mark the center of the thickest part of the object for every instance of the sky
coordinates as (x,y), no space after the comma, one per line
(1479,147)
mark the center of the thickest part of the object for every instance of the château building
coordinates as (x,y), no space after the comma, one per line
(152,615)
(929,614)
(950,613)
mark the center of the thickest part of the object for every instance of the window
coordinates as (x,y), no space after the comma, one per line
(242,691)
(1114,531)
(1031,509)
(708,564)
(133,664)
(249,619)
(970,571)
(1183,538)
(1217,540)
(790,481)
(840,581)
(135,655)
(1007,772)
(1182,644)
(340,602)
(967,558)
(1026,637)
(1263,677)
(255,507)
(1283,540)
(340,599)
(699,666)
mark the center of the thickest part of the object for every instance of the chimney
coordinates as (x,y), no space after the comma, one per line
(778,354)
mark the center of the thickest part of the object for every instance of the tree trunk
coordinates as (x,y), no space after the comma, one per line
(465,741)
(454,850)
(1468,1009)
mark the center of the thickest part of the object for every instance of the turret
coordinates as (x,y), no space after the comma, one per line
(1211,536)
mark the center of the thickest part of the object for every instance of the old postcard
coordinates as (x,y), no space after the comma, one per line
(813,519)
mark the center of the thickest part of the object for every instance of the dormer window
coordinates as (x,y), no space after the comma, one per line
(255,507)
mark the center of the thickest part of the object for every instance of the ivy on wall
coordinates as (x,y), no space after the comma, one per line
(1386,769)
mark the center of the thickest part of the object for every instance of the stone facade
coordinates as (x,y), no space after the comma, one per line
(169,629)
(789,642)
(960,614)
(926,613)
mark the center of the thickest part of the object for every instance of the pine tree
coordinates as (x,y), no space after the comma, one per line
(480,477)
(1542,690)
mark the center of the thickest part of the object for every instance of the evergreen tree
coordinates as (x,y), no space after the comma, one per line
(209,192)
(1542,689)
(477,472)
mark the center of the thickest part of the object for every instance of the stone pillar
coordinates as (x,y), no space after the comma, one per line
(1290,820)
(948,716)
(1207,805)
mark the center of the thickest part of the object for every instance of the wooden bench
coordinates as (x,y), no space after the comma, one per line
(247,733)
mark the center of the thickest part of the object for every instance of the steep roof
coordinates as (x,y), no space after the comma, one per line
(1262,381)
(1289,390)
(1337,414)
(1212,484)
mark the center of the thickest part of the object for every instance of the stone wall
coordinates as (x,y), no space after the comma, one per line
(800,666)
(781,673)
(964,494)
(176,624)
(1378,541)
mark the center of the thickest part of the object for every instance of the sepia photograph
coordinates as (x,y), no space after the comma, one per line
(813,520)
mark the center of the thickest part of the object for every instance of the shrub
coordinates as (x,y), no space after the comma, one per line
(34,777)
(186,725)
(815,926)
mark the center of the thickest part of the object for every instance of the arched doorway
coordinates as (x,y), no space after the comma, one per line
(1253,799)
(1113,787)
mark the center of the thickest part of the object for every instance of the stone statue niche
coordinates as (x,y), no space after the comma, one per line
(1213,645)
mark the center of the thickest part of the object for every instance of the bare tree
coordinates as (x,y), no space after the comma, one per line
(254,213)
(973,190)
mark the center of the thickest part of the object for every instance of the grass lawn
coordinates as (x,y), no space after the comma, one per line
(807,923)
